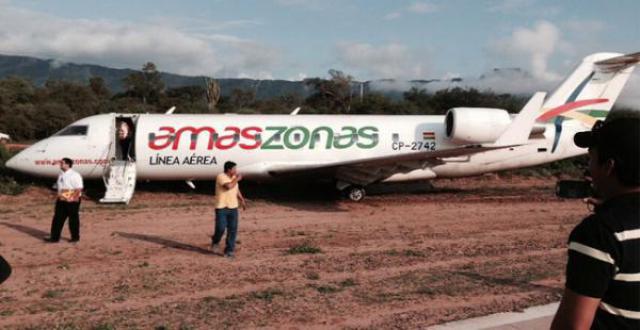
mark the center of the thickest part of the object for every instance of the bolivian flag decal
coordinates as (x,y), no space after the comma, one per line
(428,135)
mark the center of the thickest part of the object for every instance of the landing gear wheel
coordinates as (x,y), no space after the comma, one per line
(355,193)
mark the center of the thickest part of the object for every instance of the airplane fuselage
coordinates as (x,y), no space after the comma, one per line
(195,147)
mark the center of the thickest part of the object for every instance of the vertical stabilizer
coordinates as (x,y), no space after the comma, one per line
(592,88)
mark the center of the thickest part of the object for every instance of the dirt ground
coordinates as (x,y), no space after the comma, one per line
(467,248)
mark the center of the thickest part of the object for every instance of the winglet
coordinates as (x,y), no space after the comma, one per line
(295,111)
(518,132)
(171,110)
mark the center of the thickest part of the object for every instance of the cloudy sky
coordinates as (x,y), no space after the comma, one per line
(294,39)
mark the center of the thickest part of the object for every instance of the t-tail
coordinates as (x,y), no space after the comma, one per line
(590,92)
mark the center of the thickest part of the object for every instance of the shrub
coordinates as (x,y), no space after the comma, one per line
(304,248)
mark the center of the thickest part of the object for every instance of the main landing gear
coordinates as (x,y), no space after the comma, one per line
(355,193)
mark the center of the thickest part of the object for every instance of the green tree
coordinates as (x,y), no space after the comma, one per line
(375,103)
(50,118)
(79,99)
(146,84)
(241,98)
(418,97)
(99,87)
(16,90)
(187,99)
(443,100)
(333,94)
(291,101)
(18,123)
(192,94)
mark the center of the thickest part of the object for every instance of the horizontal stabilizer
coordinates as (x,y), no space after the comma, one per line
(518,132)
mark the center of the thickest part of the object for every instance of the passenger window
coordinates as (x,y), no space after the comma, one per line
(79,130)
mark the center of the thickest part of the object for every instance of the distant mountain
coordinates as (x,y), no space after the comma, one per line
(39,71)
(510,73)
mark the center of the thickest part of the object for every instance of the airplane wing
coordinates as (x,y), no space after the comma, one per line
(364,171)
(288,168)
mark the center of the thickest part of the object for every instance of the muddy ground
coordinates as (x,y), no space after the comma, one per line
(407,259)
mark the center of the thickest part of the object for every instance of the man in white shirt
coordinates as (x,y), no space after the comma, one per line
(67,202)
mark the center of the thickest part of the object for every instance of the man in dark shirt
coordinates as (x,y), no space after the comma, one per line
(5,270)
(602,288)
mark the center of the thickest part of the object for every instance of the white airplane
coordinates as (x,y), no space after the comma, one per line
(352,150)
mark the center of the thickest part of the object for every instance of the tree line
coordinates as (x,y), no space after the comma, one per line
(28,112)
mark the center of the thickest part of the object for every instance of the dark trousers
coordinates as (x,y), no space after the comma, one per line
(226,219)
(63,211)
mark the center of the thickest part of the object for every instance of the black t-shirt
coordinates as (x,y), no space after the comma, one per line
(5,269)
(604,262)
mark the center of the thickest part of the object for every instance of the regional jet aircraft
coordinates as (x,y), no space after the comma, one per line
(353,151)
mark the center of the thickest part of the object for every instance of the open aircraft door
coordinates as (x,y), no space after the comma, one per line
(120,174)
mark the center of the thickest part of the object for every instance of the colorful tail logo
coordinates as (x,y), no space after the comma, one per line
(567,110)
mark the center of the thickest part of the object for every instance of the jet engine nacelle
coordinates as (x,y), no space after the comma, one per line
(476,125)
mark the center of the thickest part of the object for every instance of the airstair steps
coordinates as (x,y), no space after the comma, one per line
(120,182)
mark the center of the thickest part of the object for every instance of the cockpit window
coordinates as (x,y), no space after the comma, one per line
(75,130)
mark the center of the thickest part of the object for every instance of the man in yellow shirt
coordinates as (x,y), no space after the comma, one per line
(228,198)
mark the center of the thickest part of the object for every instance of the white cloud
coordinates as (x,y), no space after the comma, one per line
(127,44)
(508,6)
(535,45)
(415,8)
(451,75)
(583,37)
(385,61)
(203,25)
(513,81)
(294,2)
(422,8)
(392,16)
(312,4)
(300,76)
(523,8)
(586,26)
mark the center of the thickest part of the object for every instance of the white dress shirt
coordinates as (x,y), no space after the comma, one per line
(69,180)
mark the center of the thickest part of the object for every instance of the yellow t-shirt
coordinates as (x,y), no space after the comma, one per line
(225,198)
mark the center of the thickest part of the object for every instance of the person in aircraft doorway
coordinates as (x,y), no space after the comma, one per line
(227,199)
(125,140)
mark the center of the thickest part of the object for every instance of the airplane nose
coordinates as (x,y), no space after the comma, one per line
(20,162)
(12,163)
